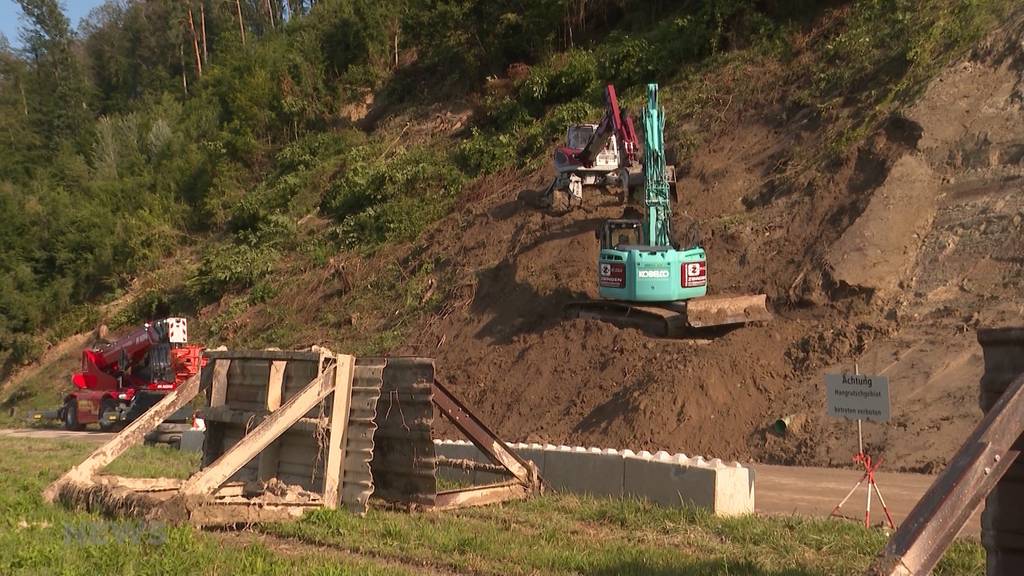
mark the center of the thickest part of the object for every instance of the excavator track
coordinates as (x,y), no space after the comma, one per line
(675,319)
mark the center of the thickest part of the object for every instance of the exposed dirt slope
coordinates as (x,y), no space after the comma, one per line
(888,258)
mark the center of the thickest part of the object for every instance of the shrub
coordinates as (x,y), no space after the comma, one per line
(392,197)
(231,267)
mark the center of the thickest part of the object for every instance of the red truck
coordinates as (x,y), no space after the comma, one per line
(121,380)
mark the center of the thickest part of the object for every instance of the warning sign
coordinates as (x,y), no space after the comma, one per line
(612,275)
(695,274)
(857,396)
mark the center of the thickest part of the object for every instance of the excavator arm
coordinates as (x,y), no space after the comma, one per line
(616,122)
(656,183)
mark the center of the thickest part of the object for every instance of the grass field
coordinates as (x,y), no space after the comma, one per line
(555,534)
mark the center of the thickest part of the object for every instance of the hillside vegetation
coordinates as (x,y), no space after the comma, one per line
(358,174)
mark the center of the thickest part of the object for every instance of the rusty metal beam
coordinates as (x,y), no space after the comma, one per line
(483,438)
(919,543)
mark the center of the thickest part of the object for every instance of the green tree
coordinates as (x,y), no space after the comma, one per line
(59,94)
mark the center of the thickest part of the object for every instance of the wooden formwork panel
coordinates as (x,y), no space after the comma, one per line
(299,455)
(293,430)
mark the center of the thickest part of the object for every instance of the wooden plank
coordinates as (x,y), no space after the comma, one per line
(206,481)
(133,434)
(917,546)
(253,417)
(247,512)
(140,484)
(344,370)
(480,495)
(219,384)
(275,388)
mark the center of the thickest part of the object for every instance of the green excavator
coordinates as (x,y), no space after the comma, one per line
(646,280)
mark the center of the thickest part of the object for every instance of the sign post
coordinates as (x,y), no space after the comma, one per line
(861,397)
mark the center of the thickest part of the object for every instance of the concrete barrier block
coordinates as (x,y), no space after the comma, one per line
(676,480)
(663,478)
(669,481)
(584,471)
(192,441)
(457,450)
(734,491)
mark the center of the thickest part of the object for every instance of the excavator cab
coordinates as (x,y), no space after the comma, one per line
(621,234)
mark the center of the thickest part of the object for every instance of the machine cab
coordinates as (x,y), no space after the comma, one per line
(621,235)
(578,135)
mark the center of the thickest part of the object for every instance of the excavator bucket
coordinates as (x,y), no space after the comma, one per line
(725,310)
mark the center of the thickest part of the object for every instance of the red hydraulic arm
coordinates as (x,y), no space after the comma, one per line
(99,365)
(108,367)
(615,121)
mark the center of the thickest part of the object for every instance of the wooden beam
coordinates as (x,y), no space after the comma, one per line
(219,385)
(306,355)
(481,495)
(247,512)
(225,415)
(344,371)
(275,388)
(133,434)
(917,546)
(206,481)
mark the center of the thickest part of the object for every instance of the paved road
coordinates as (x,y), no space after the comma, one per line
(816,491)
(779,489)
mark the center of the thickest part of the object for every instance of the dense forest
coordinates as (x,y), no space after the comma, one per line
(222,127)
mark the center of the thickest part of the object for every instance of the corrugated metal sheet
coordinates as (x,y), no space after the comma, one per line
(356,480)
(403,463)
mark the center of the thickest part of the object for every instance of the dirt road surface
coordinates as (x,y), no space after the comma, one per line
(781,490)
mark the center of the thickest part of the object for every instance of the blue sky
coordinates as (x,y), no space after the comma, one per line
(10,15)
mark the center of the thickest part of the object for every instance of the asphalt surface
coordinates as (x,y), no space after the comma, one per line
(780,490)
(816,491)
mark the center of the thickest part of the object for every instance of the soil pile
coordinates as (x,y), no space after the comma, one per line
(890,258)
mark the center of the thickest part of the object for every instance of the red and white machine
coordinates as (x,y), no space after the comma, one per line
(598,155)
(121,380)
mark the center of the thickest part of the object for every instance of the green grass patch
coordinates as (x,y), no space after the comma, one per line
(36,538)
(160,461)
(564,534)
(554,534)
